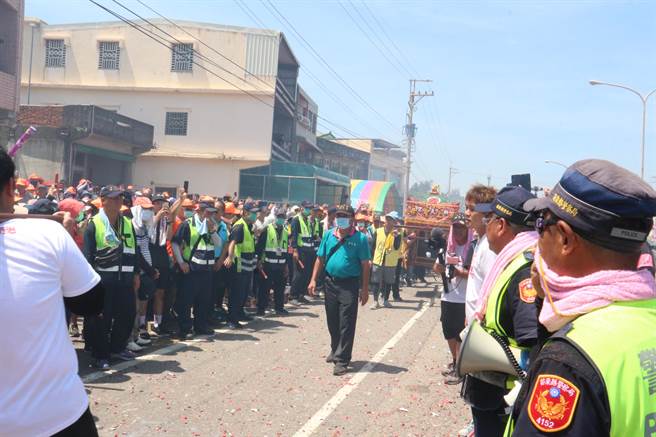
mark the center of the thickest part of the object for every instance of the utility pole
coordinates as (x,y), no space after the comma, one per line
(452,171)
(410,130)
(489,180)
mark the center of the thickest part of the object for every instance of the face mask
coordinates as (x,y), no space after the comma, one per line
(360,225)
(307,211)
(343,222)
(188,213)
(146,215)
(280,221)
(253,217)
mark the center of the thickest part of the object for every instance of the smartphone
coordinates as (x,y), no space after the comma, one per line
(185,185)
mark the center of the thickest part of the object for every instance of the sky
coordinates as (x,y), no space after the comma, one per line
(510,78)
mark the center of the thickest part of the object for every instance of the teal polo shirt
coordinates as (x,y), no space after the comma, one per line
(346,262)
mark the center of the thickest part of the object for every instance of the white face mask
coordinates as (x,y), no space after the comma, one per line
(147,215)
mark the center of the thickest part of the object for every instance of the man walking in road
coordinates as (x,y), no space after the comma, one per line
(344,252)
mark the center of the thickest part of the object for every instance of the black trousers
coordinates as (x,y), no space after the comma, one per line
(397,281)
(341,314)
(275,281)
(110,331)
(240,284)
(83,427)
(196,292)
(302,276)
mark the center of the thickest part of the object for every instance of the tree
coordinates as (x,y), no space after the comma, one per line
(420,190)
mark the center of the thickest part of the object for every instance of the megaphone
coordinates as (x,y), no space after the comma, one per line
(480,352)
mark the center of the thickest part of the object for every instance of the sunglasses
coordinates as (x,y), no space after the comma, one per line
(542,223)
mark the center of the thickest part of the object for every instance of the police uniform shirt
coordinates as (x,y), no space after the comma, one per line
(89,250)
(237,234)
(591,415)
(296,231)
(518,315)
(183,235)
(260,246)
(346,262)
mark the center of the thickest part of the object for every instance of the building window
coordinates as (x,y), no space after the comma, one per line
(176,123)
(108,55)
(55,53)
(182,57)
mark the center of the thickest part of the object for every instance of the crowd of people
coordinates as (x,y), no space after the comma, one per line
(180,265)
(555,279)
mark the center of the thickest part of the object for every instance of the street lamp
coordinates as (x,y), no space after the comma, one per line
(644,99)
(548,161)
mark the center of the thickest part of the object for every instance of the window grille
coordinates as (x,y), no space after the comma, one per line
(182,57)
(176,123)
(109,53)
(55,53)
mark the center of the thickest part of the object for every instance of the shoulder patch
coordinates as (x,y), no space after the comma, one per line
(526,291)
(552,403)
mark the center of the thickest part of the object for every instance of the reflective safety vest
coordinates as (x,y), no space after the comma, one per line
(106,255)
(275,250)
(204,253)
(305,238)
(384,252)
(245,251)
(316,234)
(496,299)
(619,342)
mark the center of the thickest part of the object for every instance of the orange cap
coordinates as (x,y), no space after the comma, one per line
(21,182)
(230,208)
(361,217)
(36,177)
(206,199)
(187,203)
(144,202)
(71,190)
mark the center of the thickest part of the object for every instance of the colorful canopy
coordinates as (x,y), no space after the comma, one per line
(380,196)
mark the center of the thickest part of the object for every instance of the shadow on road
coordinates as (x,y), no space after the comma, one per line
(235,336)
(379,368)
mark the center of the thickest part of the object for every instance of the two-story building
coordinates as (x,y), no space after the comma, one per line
(220,98)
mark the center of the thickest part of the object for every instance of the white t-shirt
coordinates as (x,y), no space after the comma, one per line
(40,264)
(457,285)
(482,262)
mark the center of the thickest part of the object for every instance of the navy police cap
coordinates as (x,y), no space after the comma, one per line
(509,204)
(603,202)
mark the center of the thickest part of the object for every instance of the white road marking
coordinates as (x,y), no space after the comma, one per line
(339,397)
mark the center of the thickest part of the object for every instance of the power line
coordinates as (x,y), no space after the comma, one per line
(282,19)
(248,11)
(159,39)
(364,32)
(382,27)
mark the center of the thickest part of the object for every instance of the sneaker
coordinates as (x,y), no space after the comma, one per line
(73,330)
(453,380)
(302,299)
(321,295)
(330,358)
(101,364)
(182,336)
(375,305)
(143,341)
(294,302)
(282,312)
(156,330)
(235,326)
(448,372)
(386,304)
(143,333)
(339,369)
(467,431)
(126,355)
(133,347)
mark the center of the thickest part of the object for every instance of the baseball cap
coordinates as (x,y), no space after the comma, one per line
(230,208)
(110,191)
(332,210)
(187,203)
(604,203)
(307,204)
(509,204)
(393,215)
(251,207)
(483,207)
(459,219)
(207,206)
(42,206)
(71,206)
(21,182)
(159,198)
(281,213)
(345,210)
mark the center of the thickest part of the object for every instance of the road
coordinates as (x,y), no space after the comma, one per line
(271,380)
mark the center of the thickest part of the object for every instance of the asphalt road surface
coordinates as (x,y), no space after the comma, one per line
(271,379)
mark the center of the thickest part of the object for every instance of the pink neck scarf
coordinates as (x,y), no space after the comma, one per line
(520,244)
(567,298)
(451,242)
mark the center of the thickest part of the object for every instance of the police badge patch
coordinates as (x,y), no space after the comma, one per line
(553,402)
(526,291)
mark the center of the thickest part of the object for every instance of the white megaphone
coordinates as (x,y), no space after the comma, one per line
(480,352)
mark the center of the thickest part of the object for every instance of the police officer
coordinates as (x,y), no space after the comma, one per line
(242,262)
(271,251)
(193,248)
(386,247)
(507,306)
(110,247)
(596,374)
(303,255)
